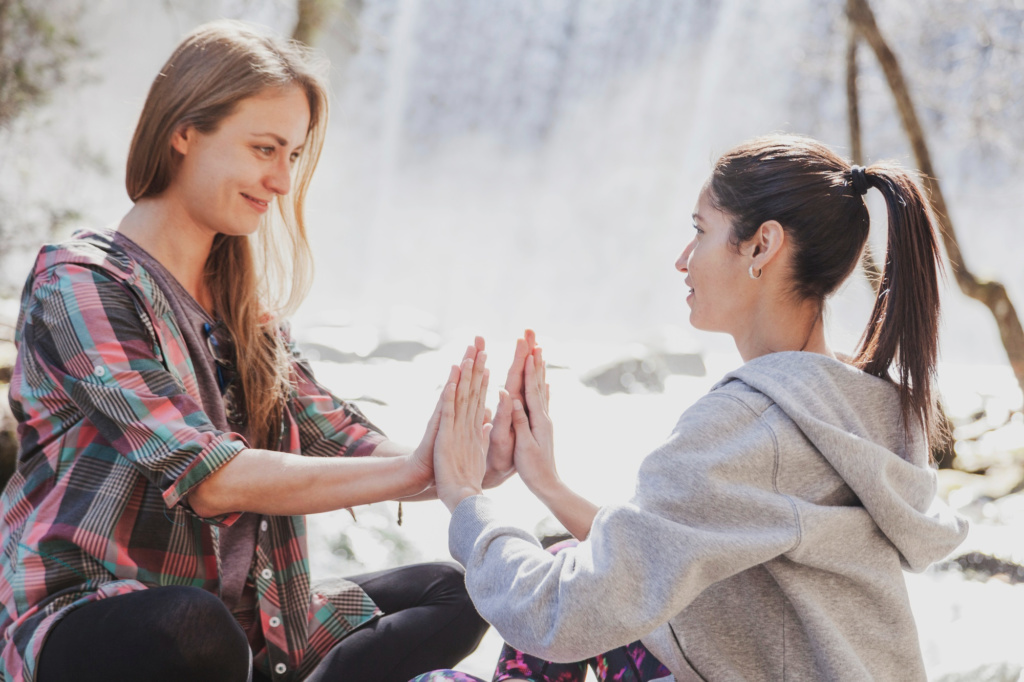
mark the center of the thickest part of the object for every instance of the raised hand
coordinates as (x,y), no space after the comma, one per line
(460,447)
(423,455)
(500,458)
(535,453)
(534,447)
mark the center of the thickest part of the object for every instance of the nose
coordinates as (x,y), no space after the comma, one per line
(684,258)
(279,178)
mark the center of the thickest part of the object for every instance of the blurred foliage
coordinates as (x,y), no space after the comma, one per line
(964,62)
(41,51)
(39,45)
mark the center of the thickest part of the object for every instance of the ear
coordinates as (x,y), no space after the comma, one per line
(766,244)
(181,138)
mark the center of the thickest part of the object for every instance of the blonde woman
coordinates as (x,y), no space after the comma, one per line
(171,437)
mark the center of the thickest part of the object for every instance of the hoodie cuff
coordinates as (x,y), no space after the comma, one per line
(469,520)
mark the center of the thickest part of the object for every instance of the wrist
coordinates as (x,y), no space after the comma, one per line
(419,475)
(548,490)
(453,496)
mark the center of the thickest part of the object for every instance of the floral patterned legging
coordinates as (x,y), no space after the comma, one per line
(630,663)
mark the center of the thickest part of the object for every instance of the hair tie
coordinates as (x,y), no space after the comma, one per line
(860,180)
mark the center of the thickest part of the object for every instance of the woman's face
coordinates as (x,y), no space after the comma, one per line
(228,179)
(720,293)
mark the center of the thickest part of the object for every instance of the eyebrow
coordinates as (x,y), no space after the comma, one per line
(696,216)
(277,138)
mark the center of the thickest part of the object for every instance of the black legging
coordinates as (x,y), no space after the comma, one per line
(185,633)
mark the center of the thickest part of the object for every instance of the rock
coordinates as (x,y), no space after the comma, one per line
(644,374)
(404,351)
(318,352)
(990,672)
(980,566)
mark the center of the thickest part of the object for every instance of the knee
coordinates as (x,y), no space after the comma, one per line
(453,579)
(211,643)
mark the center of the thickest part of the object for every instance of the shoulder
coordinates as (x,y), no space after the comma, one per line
(722,433)
(94,250)
(92,260)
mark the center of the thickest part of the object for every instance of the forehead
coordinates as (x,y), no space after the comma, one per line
(705,210)
(282,112)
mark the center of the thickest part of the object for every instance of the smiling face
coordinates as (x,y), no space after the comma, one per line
(228,179)
(720,296)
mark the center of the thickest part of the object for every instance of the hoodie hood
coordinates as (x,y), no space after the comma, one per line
(853,419)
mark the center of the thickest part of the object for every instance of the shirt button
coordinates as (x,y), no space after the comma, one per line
(267,574)
(263,526)
(99,371)
(280,668)
(274,621)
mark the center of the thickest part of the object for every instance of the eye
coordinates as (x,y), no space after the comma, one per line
(697,228)
(294,157)
(264,151)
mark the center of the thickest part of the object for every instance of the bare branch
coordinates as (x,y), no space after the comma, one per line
(992,294)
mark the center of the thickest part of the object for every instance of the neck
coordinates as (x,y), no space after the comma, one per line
(172,239)
(783,327)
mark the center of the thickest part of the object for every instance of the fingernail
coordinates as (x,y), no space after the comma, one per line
(516,404)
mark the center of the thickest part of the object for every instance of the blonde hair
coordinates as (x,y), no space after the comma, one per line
(254,281)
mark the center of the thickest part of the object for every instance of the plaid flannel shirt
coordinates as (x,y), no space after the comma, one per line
(113,438)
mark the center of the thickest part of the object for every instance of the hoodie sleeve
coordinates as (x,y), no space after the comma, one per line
(706,507)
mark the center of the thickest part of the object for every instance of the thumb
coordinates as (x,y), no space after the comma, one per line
(520,421)
(502,420)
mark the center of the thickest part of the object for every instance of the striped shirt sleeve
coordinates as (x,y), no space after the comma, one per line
(328,425)
(90,342)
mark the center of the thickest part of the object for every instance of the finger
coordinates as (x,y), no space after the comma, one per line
(514,381)
(479,343)
(435,419)
(448,398)
(531,339)
(533,400)
(542,372)
(478,389)
(488,415)
(462,394)
(503,417)
(520,422)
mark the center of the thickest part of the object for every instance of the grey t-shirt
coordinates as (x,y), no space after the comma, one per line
(237,543)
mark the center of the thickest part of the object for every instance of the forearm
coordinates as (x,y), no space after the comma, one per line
(573,511)
(279,483)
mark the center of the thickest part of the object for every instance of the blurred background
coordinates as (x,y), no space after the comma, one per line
(497,164)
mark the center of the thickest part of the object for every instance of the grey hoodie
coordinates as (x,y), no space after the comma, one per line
(765,540)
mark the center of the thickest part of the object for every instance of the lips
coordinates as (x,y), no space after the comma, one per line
(258,204)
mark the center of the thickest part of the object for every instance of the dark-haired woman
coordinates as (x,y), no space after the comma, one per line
(767,535)
(172,439)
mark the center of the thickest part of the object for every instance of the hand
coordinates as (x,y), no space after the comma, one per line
(500,458)
(423,455)
(459,450)
(534,446)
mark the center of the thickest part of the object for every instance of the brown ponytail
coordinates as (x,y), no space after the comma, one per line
(902,334)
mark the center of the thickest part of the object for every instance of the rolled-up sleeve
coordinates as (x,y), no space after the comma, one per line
(328,426)
(90,342)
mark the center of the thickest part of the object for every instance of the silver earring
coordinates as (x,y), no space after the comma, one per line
(750,271)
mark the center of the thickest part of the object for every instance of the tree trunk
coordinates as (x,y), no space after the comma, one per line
(313,15)
(868,263)
(992,294)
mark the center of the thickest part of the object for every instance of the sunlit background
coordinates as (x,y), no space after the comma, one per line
(498,164)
